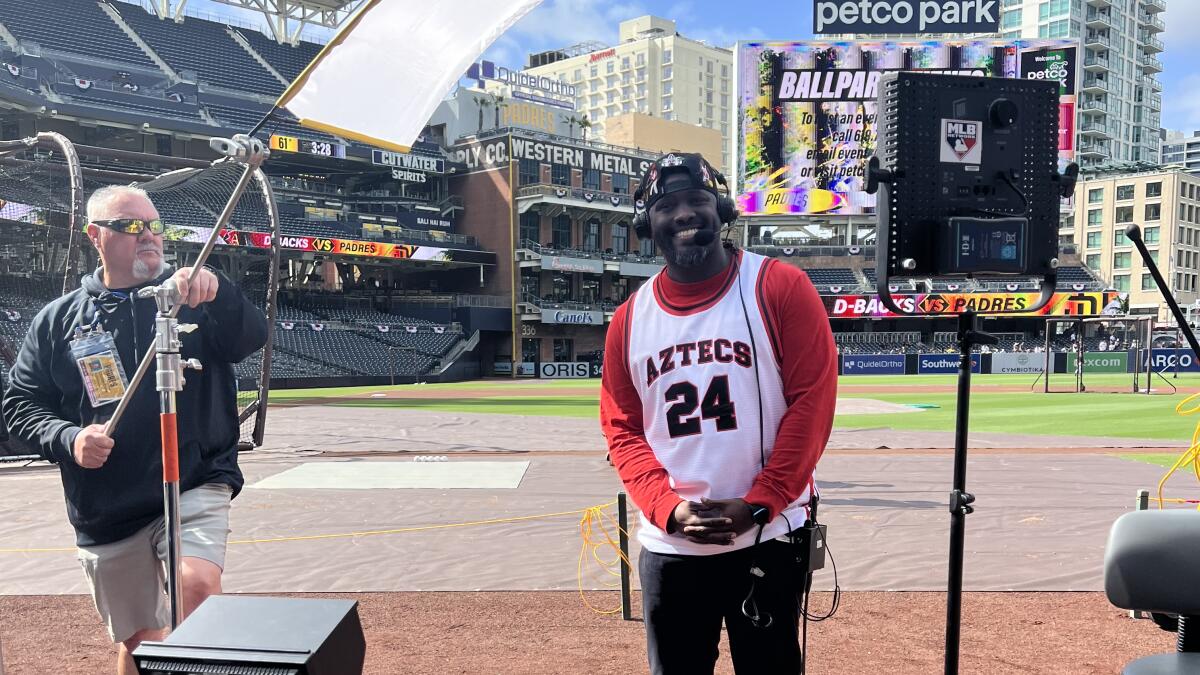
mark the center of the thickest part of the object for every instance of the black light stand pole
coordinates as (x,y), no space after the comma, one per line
(1134,233)
(960,499)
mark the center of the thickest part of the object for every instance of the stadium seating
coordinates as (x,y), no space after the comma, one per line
(239,119)
(353,351)
(879,343)
(286,364)
(1069,275)
(842,277)
(242,117)
(143,105)
(286,59)
(73,27)
(204,47)
(335,229)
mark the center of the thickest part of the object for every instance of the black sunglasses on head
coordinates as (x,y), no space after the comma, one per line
(131,225)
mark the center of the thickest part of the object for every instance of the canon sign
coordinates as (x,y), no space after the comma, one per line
(906,16)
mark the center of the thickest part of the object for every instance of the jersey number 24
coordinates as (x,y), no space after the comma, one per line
(684,397)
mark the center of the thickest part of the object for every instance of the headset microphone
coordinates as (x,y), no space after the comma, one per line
(706,237)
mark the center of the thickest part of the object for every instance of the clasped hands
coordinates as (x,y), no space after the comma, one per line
(711,521)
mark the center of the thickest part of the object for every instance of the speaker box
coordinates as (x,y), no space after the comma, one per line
(230,634)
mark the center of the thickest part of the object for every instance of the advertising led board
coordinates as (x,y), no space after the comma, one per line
(806,115)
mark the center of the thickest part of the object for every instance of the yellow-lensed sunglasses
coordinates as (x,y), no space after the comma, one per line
(131,225)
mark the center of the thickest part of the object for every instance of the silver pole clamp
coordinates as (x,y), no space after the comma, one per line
(241,148)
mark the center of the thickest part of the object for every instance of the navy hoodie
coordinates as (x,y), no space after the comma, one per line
(46,404)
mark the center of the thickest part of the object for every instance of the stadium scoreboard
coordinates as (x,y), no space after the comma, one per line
(305,146)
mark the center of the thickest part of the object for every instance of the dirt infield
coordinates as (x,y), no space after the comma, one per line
(535,633)
(489,604)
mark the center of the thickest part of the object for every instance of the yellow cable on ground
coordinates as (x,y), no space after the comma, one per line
(1189,456)
(366,533)
(592,520)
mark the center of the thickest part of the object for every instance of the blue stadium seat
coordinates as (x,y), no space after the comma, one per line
(286,59)
(71,26)
(204,47)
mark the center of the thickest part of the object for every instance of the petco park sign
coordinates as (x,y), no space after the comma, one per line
(906,16)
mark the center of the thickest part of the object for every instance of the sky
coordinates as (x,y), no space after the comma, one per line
(561,23)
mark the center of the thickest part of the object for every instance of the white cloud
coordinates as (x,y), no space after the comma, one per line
(1181,104)
(720,36)
(1180,19)
(1181,92)
(562,23)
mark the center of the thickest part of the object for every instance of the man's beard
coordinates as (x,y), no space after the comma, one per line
(142,272)
(687,255)
(690,256)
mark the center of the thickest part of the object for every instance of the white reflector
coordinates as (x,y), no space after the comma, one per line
(383,74)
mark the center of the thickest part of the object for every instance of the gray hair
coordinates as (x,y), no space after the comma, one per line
(98,203)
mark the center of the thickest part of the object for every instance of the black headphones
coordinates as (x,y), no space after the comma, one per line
(727,211)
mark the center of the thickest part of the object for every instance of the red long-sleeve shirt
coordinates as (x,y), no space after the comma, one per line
(803,344)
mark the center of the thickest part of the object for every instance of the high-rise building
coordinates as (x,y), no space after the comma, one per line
(652,70)
(1179,149)
(1166,204)
(1120,100)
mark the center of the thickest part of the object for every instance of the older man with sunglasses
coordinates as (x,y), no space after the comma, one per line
(76,362)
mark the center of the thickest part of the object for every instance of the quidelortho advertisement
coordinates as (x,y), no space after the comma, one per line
(807,119)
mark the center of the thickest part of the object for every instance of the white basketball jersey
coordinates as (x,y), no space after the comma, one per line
(712,399)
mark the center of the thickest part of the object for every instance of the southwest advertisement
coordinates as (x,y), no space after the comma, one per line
(807,120)
(1089,303)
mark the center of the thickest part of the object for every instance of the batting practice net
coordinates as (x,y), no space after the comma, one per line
(1115,345)
(189,202)
(43,251)
(41,212)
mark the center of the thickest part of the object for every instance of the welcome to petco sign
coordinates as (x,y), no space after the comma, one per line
(906,16)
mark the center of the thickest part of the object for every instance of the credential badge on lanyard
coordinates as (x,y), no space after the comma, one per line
(95,353)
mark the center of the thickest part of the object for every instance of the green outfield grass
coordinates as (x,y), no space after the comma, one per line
(1119,415)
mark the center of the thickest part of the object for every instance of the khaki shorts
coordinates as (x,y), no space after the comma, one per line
(128,577)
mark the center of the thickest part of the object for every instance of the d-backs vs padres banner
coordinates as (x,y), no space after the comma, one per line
(807,119)
(1088,303)
(369,249)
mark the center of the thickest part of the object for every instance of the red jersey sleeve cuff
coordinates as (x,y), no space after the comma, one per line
(661,509)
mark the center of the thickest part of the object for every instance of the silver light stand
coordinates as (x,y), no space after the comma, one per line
(169,380)
(165,350)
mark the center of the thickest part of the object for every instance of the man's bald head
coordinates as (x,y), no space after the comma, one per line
(128,259)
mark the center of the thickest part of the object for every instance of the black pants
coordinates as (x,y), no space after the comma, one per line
(685,598)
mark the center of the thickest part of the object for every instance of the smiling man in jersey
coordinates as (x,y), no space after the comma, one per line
(719,386)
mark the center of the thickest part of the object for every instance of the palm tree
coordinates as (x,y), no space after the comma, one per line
(498,102)
(571,121)
(584,125)
(482,102)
